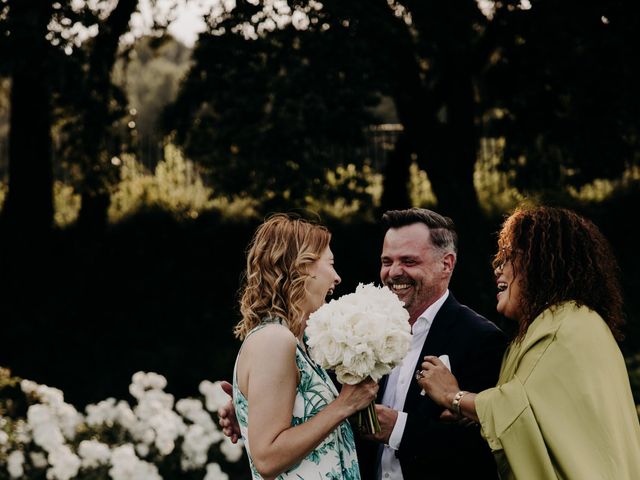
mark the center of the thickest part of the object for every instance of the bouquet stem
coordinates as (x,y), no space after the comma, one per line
(367,420)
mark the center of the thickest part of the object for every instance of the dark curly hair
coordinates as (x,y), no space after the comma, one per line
(560,256)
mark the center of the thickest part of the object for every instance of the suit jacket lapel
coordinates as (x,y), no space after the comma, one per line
(435,343)
(383,386)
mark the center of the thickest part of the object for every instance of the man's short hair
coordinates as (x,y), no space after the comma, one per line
(442,229)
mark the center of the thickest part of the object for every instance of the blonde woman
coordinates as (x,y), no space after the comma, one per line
(291,417)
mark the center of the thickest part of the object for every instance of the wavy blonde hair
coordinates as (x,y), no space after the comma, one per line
(274,284)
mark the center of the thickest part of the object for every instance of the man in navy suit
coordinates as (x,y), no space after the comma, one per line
(418,259)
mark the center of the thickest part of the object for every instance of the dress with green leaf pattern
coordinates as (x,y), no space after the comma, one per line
(335,457)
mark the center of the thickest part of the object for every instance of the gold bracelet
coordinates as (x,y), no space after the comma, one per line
(455,404)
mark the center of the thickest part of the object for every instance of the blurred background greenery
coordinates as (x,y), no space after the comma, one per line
(134,168)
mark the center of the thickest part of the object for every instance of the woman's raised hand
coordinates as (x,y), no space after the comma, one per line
(437,381)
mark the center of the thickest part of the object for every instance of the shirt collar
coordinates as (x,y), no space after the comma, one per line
(425,320)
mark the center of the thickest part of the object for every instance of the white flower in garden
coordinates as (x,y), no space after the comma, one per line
(125,416)
(200,435)
(15,464)
(127,466)
(142,381)
(214,396)
(192,410)
(362,334)
(29,387)
(142,449)
(38,414)
(101,413)
(152,402)
(22,432)
(156,424)
(168,426)
(50,395)
(38,459)
(232,451)
(93,453)
(108,413)
(68,418)
(147,436)
(195,447)
(44,427)
(64,464)
(186,406)
(164,444)
(214,472)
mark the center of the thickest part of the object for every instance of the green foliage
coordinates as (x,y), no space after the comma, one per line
(176,186)
(601,189)
(494,186)
(563,85)
(348,194)
(270,114)
(420,187)
(66,204)
(5,85)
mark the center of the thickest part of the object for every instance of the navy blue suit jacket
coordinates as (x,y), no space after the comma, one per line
(432,449)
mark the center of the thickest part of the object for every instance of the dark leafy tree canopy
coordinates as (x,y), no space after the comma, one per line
(269,109)
(565,82)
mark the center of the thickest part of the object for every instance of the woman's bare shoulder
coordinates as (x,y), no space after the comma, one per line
(270,338)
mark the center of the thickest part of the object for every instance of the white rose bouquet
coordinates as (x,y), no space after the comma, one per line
(362,334)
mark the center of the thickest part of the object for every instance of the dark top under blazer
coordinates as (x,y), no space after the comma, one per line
(431,449)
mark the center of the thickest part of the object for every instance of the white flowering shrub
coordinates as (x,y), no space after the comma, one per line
(43,437)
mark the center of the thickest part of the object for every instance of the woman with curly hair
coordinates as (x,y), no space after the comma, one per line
(291,417)
(563,406)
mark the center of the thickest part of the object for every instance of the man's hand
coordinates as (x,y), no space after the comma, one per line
(227,416)
(387,418)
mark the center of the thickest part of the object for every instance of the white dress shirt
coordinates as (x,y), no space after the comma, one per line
(397,387)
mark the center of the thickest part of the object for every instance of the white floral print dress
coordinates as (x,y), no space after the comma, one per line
(335,458)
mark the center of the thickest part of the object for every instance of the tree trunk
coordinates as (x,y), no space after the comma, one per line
(28,208)
(395,192)
(99,174)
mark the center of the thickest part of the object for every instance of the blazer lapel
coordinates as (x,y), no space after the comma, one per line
(436,342)
(382,387)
